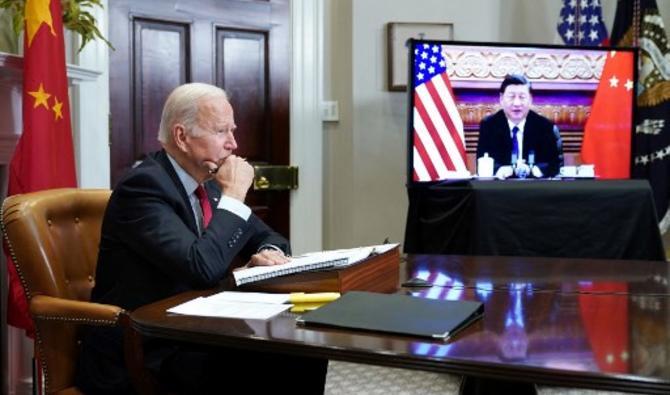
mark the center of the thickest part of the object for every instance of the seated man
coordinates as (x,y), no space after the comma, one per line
(520,141)
(175,223)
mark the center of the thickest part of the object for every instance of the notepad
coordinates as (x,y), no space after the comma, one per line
(395,313)
(321,260)
(296,265)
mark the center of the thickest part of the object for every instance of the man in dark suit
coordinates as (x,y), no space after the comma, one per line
(175,223)
(520,141)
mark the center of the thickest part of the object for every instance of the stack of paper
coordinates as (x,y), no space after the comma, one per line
(252,305)
(242,305)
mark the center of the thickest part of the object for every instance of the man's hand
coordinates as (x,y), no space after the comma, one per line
(268,258)
(234,177)
(536,172)
(504,172)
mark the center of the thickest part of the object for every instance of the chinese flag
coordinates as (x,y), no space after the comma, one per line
(607,134)
(44,156)
(604,312)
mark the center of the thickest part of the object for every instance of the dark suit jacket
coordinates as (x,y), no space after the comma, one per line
(150,249)
(540,136)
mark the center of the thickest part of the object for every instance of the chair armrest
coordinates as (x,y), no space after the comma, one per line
(44,307)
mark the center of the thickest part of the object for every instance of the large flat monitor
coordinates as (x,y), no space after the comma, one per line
(579,120)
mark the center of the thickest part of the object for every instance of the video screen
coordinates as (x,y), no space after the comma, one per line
(506,111)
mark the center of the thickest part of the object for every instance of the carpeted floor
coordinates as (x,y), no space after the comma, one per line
(345,378)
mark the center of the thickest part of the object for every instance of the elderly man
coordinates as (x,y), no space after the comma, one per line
(520,141)
(175,223)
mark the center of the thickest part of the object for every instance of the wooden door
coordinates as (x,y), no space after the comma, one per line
(241,46)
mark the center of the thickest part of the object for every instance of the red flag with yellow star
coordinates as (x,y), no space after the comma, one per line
(44,155)
(607,133)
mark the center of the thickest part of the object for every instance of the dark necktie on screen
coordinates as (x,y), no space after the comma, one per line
(515,144)
(204,205)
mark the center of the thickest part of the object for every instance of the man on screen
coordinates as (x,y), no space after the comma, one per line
(521,142)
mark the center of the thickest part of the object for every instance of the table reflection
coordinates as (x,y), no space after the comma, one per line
(600,327)
(541,274)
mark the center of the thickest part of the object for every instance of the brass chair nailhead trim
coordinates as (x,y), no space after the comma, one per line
(79,320)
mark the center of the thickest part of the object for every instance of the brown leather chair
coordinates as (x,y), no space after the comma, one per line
(53,239)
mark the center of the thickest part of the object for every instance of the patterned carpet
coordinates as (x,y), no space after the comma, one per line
(575,391)
(345,378)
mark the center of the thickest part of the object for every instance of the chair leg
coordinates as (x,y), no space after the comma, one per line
(36,383)
(39,386)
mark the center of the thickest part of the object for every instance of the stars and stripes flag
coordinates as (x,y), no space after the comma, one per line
(44,155)
(581,23)
(638,23)
(607,133)
(439,143)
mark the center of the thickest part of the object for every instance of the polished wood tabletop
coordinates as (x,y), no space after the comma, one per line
(567,322)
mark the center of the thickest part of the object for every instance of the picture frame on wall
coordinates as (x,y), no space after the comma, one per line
(397,35)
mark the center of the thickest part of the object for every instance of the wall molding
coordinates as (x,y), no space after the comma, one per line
(306,126)
(11,96)
(12,69)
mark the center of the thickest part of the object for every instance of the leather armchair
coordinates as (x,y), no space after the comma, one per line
(53,239)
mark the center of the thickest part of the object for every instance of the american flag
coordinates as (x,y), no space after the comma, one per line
(581,23)
(439,148)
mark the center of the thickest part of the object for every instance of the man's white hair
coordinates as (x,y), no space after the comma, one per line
(182,107)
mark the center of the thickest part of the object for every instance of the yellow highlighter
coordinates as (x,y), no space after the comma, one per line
(317,297)
(302,307)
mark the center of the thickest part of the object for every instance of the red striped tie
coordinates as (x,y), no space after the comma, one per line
(204,205)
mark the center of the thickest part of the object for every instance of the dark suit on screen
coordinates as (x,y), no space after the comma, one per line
(540,135)
(151,249)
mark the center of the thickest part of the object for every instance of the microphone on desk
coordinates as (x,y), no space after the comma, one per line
(531,162)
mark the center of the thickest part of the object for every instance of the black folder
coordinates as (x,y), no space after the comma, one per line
(396,313)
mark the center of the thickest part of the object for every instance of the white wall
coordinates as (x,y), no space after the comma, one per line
(91,118)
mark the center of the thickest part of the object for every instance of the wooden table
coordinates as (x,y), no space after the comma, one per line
(568,322)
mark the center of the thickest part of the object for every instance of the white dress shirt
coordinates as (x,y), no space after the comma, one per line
(225,202)
(519,135)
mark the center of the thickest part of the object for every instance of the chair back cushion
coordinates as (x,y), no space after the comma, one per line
(53,239)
